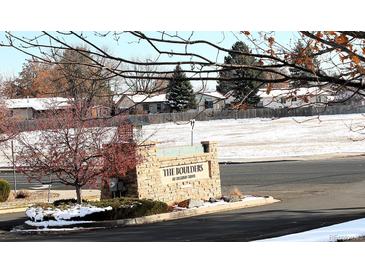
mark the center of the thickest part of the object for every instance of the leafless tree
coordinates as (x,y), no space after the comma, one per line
(74,149)
(340,53)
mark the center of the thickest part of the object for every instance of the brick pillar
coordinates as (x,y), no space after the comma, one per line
(215,187)
(147,171)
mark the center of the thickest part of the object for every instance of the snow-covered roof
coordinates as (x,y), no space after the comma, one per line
(214,94)
(37,103)
(312,91)
(139,98)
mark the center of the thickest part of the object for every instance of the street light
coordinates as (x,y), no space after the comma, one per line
(13,160)
(49,187)
(192,123)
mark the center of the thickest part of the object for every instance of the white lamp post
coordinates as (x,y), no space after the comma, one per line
(13,160)
(192,123)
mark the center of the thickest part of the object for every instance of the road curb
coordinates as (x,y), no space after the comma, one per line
(187,213)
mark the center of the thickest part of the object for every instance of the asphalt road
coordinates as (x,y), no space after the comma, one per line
(313,194)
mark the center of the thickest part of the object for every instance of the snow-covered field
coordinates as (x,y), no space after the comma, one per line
(262,139)
(265,139)
(342,231)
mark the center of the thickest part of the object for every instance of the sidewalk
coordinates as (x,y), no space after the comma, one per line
(328,156)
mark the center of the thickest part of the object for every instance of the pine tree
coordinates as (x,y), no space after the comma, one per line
(244,91)
(302,56)
(180,91)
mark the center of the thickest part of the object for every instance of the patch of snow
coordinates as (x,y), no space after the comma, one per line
(342,231)
(61,216)
(219,202)
(209,204)
(77,211)
(46,229)
(55,223)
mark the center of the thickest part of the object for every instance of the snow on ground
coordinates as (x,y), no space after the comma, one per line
(53,223)
(45,229)
(263,138)
(342,231)
(60,217)
(221,202)
(259,138)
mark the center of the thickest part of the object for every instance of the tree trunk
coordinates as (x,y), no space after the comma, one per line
(78,193)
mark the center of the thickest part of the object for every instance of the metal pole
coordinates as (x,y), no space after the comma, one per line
(13,160)
(192,122)
(49,187)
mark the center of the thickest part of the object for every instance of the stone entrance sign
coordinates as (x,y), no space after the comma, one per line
(190,172)
(175,174)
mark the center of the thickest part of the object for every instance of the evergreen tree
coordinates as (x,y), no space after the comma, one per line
(180,91)
(244,91)
(303,57)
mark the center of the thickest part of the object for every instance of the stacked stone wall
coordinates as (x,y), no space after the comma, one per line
(152,184)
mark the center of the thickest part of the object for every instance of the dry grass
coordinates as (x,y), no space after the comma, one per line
(235,192)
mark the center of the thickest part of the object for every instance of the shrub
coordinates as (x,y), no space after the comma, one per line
(22,194)
(124,208)
(4,190)
(66,202)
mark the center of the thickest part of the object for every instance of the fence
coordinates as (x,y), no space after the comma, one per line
(159,118)
(244,114)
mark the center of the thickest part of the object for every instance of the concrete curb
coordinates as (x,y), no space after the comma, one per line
(187,213)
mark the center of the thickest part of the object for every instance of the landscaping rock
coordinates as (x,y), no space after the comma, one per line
(226,199)
(234,199)
(190,203)
(184,203)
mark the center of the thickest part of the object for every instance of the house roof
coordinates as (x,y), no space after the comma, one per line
(145,98)
(312,91)
(37,103)
(214,94)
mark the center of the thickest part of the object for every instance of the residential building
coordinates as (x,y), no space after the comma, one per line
(142,103)
(32,108)
(100,111)
(293,98)
(210,100)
